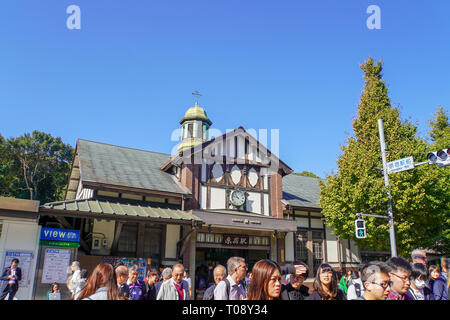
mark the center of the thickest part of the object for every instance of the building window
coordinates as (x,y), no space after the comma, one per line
(1,227)
(317,254)
(210,238)
(152,245)
(128,240)
(317,235)
(218,238)
(301,249)
(200,237)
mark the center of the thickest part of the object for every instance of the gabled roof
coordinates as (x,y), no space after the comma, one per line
(301,191)
(238,131)
(107,164)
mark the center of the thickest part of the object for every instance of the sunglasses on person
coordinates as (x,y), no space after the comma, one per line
(384,285)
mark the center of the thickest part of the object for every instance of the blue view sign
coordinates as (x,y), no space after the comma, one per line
(60,234)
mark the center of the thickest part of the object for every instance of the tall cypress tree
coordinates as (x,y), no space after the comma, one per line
(418,205)
(440,129)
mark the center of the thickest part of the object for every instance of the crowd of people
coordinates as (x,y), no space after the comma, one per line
(395,279)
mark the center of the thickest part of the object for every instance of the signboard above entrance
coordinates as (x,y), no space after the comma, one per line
(234,240)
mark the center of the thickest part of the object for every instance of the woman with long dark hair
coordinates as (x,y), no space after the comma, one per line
(326,285)
(266,281)
(101,285)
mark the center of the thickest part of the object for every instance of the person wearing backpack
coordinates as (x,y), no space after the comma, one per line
(356,288)
(232,287)
(219,274)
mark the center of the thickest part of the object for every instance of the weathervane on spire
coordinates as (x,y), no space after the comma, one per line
(197,95)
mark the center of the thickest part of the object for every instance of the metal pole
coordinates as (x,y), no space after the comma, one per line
(386,184)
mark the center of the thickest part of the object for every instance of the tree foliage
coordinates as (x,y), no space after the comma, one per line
(440,129)
(34,167)
(418,195)
(307,174)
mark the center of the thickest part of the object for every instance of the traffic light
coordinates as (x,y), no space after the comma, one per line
(441,157)
(360,228)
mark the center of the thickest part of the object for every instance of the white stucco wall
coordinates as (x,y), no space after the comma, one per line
(217,198)
(203,197)
(289,246)
(332,249)
(266,205)
(103,230)
(254,202)
(21,236)
(172,237)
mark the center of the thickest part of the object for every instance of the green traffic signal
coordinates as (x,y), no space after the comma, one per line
(360,228)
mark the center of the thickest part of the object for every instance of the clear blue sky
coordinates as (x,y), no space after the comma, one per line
(127,76)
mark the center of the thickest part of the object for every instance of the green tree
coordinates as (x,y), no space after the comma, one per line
(37,166)
(440,138)
(8,176)
(440,129)
(307,174)
(418,203)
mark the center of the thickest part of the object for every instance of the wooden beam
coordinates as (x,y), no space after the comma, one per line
(66,224)
(140,239)
(118,230)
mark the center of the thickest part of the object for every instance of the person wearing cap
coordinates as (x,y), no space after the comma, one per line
(294,289)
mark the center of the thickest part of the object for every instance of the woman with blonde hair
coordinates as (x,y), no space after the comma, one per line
(266,281)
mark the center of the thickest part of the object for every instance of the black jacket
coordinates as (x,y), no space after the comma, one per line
(124,290)
(316,296)
(7,273)
(151,291)
(289,293)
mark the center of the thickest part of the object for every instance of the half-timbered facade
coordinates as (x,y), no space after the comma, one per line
(216,198)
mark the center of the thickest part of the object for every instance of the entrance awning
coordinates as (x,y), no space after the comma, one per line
(104,209)
(245,221)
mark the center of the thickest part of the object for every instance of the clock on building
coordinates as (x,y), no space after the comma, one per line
(237,198)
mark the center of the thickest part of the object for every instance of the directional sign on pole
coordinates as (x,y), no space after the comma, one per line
(400,165)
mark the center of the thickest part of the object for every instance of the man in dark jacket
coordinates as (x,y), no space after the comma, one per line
(152,279)
(418,290)
(295,290)
(13,275)
(219,274)
(122,277)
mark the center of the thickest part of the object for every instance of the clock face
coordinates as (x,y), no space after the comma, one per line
(237,198)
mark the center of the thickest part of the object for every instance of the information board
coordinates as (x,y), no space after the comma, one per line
(128,262)
(56,264)
(25,260)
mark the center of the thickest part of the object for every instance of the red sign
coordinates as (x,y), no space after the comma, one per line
(233,240)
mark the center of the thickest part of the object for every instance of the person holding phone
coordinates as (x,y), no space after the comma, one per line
(13,275)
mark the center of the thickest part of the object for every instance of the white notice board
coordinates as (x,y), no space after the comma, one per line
(56,262)
(25,259)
